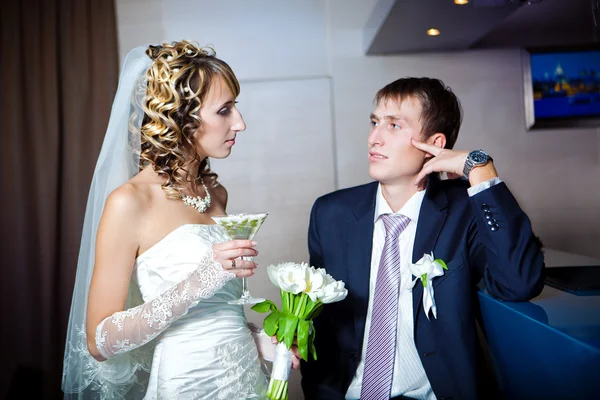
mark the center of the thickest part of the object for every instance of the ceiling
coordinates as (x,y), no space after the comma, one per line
(399,26)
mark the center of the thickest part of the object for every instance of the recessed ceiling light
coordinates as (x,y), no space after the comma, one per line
(461,2)
(433,32)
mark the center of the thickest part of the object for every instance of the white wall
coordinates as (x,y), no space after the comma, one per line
(260,39)
(307,92)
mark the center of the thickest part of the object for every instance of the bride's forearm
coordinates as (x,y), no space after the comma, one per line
(126,330)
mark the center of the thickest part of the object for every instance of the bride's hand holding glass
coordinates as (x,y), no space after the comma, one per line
(228,255)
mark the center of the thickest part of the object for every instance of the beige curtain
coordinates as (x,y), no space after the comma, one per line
(59,72)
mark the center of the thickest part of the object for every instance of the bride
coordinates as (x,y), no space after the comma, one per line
(149,317)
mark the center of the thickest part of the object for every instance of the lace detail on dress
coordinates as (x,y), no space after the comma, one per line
(107,380)
(243,376)
(126,330)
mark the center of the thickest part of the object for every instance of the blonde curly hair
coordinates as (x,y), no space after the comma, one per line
(178,81)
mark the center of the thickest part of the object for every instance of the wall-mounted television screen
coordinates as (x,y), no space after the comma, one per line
(562,87)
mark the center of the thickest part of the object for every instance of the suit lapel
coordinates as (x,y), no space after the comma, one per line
(360,244)
(431,219)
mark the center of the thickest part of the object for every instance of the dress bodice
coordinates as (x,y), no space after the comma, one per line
(175,257)
(209,352)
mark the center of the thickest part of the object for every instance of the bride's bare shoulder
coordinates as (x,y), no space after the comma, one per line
(126,203)
(131,199)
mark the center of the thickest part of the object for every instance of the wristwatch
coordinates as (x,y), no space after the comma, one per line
(476,158)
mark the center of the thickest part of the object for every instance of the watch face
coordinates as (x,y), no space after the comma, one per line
(478,157)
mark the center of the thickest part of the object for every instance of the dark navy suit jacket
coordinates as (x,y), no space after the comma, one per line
(486,236)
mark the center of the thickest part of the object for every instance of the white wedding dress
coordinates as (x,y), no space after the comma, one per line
(209,353)
(178,338)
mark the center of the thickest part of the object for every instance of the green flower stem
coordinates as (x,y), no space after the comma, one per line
(286,299)
(296,300)
(305,299)
(272,384)
(277,390)
(282,392)
(314,311)
(291,301)
(299,311)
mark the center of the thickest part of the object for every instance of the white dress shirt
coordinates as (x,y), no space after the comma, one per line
(409,376)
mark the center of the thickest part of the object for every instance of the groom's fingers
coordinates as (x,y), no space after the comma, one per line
(296,357)
(295,362)
(426,170)
(426,147)
(295,354)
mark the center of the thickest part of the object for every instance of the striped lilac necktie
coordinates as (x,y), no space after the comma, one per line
(381,346)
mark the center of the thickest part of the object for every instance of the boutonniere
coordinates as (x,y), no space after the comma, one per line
(426,269)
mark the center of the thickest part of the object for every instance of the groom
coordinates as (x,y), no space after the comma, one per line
(379,343)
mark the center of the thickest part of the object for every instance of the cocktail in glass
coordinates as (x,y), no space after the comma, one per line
(242,226)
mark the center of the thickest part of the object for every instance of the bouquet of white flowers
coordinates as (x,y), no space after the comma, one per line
(304,290)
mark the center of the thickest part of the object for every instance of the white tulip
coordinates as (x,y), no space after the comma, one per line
(333,292)
(315,282)
(289,277)
(318,281)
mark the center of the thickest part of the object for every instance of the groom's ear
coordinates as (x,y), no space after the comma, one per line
(438,140)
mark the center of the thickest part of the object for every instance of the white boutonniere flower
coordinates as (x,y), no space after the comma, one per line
(426,269)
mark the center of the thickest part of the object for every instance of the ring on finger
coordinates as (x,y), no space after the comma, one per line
(232,264)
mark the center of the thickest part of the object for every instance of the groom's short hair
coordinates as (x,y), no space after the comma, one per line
(441,110)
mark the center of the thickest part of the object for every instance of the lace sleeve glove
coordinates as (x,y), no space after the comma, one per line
(126,330)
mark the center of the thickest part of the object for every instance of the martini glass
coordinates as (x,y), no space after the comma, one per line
(242,226)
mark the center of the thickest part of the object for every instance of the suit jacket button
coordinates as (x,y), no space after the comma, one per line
(494,227)
(488,215)
(485,207)
(353,356)
(491,222)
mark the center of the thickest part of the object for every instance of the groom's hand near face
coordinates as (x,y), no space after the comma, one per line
(452,163)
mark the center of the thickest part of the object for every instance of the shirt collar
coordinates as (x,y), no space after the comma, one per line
(411,209)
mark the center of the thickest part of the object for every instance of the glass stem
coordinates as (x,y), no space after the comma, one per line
(245,291)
